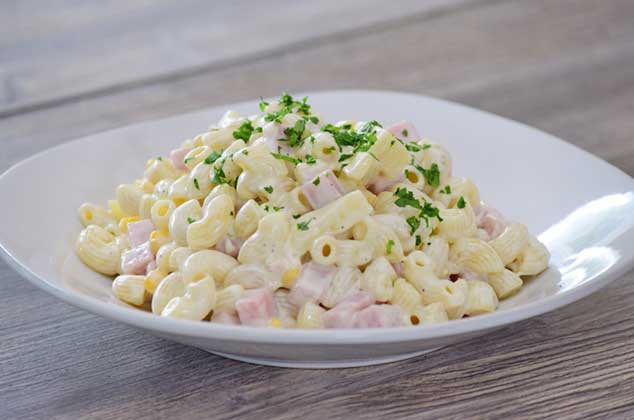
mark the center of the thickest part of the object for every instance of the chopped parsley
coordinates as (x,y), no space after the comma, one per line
(257,129)
(316,181)
(213,156)
(405,133)
(263,104)
(461,203)
(294,134)
(244,131)
(414,224)
(426,146)
(345,157)
(190,220)
(196,184)
(426,211)
(287,106)
(245,152)
(446,190)
(268,189)
(419,240)
(304,225)
(277,208)
(189,159)
(310,160)
(314,120)
(432,175)
(361,140)
(388,246)
(287,158)
(297,216)
(220,177)
(413,147)
(159,158)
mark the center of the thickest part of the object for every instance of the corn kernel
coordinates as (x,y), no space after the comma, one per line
(275,323)
(289,277)
(123,223)
(115,209)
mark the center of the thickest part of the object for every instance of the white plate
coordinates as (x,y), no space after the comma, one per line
(581,207)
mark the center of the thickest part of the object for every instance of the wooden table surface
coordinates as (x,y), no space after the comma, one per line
(70,68)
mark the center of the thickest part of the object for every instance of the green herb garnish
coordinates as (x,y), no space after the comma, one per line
(316,181)
(244,131)
(461,203)
(190,220)
(213,156)
(304,225)
(286,158)
(268,189)
(388,246)
(196,184)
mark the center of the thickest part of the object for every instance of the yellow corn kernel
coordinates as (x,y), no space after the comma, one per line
(152,280)
(289,277)
(275,323)
(157,239)
(115,209)
(123,223)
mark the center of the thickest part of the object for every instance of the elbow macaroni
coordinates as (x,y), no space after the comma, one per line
(234,215)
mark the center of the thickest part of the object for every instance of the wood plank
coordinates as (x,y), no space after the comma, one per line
(573,363)
(60,51)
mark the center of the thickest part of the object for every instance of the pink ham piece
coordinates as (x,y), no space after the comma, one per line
(139,232)
(136,260)
(491,220)
(326,191)
(271,135)
(222,317)
(178,156)
(313,281)
(344,314)
(229,246)
(256,307)
(405,131)
(379,316)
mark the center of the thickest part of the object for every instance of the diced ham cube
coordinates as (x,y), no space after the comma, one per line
(322,190)
(344,314)
(139,232)
(379,316)
(491,220)
(405,131)
(222,317)
(178,157)
(256,307)
(271,135)
(230,246)
(136,260)
(313,281)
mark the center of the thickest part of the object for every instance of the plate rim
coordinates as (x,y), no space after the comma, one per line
(198,329)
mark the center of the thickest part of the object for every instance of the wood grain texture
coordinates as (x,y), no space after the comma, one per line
(562,66)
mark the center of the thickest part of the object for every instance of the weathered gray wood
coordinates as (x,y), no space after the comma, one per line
(96,47)
(562,66)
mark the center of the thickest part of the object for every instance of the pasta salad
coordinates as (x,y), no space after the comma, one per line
(281,219)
